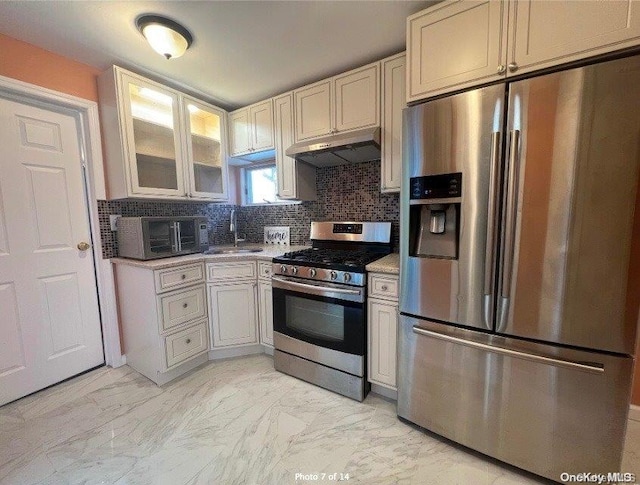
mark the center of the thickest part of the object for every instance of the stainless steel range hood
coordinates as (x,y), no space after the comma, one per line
(339,149)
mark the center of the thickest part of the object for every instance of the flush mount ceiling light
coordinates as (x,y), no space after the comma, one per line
(167,37)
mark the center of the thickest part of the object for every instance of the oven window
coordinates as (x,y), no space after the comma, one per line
(317,319)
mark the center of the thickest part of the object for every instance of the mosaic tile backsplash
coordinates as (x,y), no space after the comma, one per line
(345,192)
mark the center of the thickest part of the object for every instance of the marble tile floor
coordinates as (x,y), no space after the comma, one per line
(230,422)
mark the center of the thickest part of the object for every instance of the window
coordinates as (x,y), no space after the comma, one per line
(261,185)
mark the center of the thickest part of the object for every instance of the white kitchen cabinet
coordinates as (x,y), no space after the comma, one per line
(393,102)
(232,292)
(266,312)
(345,102)
(459,44)
(206,150)
(233,314)
(455,44)
(163,315)
(296,180)
(383,327)
(544,34)
(357,98)
(252,129)
(153,149)
(313,110)
(382,311)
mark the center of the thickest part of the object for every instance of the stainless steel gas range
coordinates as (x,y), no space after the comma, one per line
(319,305)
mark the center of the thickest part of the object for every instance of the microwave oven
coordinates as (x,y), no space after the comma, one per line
(161,237)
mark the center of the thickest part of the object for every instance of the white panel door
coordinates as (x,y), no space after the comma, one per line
(261,121)
(49,324)
(393,102)
(383,328)
(232,310)
(313,110)
(240,132)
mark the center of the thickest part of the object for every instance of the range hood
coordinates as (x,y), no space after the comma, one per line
(339,149)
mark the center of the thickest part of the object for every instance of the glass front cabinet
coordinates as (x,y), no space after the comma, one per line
(160,143)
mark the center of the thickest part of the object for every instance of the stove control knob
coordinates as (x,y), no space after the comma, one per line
(294,270)
(347,277)
(333,275)
(283,268)
(312,272)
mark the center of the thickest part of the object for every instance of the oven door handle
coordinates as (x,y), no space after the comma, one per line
(311,289)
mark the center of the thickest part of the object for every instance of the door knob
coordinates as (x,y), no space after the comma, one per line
(83,246)
(513,67)
(501,69)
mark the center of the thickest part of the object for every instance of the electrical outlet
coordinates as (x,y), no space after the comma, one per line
(113,221)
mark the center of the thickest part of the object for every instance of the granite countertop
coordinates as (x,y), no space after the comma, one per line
(268,252)
(390,264)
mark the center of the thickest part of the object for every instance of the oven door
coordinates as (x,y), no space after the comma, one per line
(326,315)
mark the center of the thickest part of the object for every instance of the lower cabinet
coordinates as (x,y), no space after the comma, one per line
(382,311)
(232,312)
(163,315)
(266,312)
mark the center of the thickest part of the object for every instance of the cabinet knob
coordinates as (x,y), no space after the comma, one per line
(83,246)
(188,341)
(513,67)
(501,69)
(184,277)
(384,288)
(185,305)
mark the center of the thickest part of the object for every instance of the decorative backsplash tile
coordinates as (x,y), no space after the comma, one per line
(345,192)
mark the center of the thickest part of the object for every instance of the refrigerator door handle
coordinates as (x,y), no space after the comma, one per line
(489,253)
(594,368)
(510,228)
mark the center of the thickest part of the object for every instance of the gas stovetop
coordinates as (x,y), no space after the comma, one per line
(340,259)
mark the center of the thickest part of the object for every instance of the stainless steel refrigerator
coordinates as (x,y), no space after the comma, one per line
(520,267)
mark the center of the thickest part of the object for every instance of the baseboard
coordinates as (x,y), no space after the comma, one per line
(384,391)
(268,349)
(216,354)
(634,412)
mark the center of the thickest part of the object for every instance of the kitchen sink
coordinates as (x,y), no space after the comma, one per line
(233,250)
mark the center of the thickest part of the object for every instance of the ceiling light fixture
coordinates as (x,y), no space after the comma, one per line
(167,37)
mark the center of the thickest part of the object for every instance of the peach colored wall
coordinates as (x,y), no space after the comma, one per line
(26,62)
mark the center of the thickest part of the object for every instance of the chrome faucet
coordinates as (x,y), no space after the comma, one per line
(233,227)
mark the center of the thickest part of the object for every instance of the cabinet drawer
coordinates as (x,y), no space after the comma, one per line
(174,278)
(187,343)
(183,306)
(383,286)
(231,271)
(264,270)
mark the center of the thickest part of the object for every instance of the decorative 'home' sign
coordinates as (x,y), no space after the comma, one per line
(276,235)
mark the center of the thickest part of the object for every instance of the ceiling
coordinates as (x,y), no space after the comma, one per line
(243,51)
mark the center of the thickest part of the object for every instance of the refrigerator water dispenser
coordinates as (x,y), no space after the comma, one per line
(434,216)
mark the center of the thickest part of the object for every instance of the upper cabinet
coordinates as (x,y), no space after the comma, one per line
(455,44)
(252,129)
(296,180)
(393,102)
(160,143)
(345,102)
(544,34)
(458,44)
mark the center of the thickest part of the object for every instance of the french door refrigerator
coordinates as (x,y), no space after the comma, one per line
(520,267)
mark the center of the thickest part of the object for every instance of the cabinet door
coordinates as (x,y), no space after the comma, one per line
(393,102)
(261,122)
(313,106)
(544,34)
(383,326)
(206,152)
(151,123)
(357,95)
(266,312)
(232,309)
(240,132)
(455,44)
(285,166)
